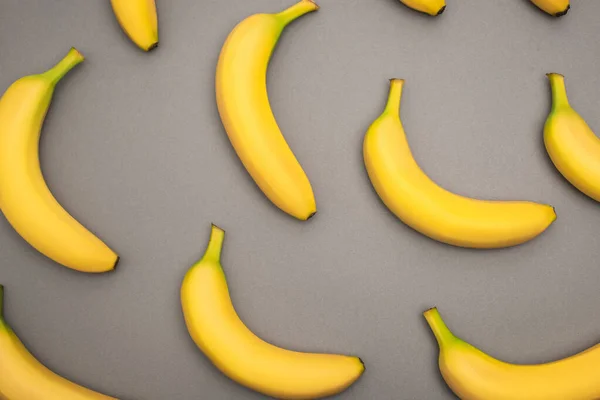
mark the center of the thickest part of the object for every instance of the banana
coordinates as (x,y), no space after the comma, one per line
(572,146)
(22,377)
(139,20)
(246,114)
(431,7)
(474,375)
(420,203)
(557,8)
(25,199)
(218,331)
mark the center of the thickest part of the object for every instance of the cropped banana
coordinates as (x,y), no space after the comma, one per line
(556,8)
(22,377)
(426,207)
(474,375)
(431,7)
(218,331)
(25,199)
(243,104)
(572,146)
(139,20)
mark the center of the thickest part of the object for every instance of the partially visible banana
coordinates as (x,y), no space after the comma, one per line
(25,199)
(556,8)
(431,7)
(572,146)
(242,99)
(426,207)
(139,20)
(218,331)
(474,375)
(22,377)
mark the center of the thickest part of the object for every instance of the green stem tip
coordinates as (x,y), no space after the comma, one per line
(394,96)
(215,245)
(559,90)
(297,10)
(443,335)
(56,73)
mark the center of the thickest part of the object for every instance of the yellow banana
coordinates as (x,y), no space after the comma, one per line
(243,103)
(474,375)
(431,7)
(22,377)
(139,20)
(25,199)
(218,331)
(556,8)
(423,205)
(573,147)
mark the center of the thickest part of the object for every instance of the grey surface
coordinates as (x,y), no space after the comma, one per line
(134,148)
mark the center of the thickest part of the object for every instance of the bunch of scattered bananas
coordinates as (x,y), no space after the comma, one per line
(211,319)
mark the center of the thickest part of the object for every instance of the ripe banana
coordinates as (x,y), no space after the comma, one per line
(431,7)
(25,199)
(573,147)
(243,104)
(556,8)
(423,205)
(474,375)
(139,20)
(218,331)
(22,377)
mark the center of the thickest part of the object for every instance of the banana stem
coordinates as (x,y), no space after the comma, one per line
(297,10)
(56,73)
(394,97)
(215,245)
(559,91)
(443,335)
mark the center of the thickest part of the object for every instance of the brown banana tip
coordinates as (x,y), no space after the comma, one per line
(444,9)
(363,363)
(116,263)
(560,14)
(311,215)
(152,46)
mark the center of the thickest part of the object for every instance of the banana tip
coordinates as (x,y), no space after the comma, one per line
(444,9)
(152,46)
(116,263)
(560,14)
(311,215)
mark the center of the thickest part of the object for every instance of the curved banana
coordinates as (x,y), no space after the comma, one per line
(25,199)
(243,103)
(474,375)
(22,377)
(426,207)
(139,20)
(572,146)
(557,8)
(431,7)
(218,331)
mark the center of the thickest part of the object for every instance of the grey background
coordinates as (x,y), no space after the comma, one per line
(134,148)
